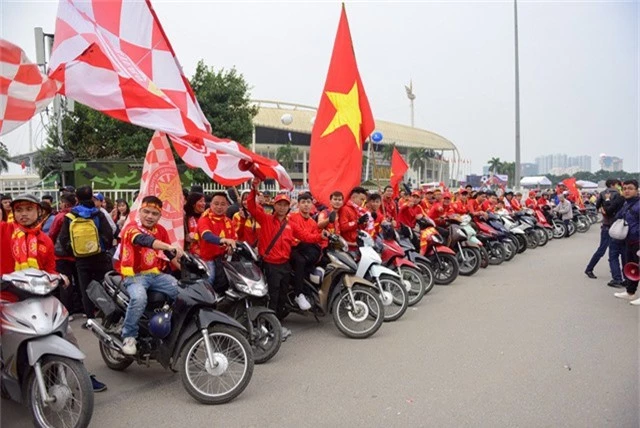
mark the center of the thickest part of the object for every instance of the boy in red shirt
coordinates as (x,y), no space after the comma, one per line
(216,231)
(143,267)
(353,216)
(328,219)
(374,202)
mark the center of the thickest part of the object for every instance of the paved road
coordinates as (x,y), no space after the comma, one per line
(531,343)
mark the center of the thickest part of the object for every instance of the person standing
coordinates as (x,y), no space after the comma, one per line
(630,212)
(608,203)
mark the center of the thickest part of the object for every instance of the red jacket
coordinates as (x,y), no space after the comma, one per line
(408,214)
(515,204)
(46,258)
(390,208)
(269,227)
(531,203)
(305,229)
(348,223)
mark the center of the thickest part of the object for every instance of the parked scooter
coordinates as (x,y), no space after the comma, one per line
(206,346)
(333,288)
(39,366)
(415,257)
(392,289)
(467,253)
(246,302)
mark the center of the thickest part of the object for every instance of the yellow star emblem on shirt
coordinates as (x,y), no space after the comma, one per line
(347,112)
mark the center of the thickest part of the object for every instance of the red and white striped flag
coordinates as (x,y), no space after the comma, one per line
(160,178)
(115,57)
(24,91)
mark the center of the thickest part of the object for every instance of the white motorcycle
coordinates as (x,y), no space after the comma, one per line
(393,290)
(39,366)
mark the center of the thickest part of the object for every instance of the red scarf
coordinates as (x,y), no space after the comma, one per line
(25,247)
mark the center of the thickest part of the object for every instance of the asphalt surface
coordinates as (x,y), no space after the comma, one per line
(530,343)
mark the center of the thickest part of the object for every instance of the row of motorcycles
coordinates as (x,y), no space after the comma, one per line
(213,341)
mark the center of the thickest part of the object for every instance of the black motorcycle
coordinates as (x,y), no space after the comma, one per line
(206,346)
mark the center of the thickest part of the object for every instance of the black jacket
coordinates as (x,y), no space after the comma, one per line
(63,243)
(611,206)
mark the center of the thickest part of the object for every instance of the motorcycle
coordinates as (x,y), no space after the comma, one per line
(468,254)
(490,238)
(415,257)
(245,301)
(333,287)
(392,289)
(206,346)
(39,366)
(473,238)
(580,220)
(393,257)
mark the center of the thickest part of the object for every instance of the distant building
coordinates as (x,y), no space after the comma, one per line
(582,162)
(610,163)
(474,180)
(562,164)
(528,169)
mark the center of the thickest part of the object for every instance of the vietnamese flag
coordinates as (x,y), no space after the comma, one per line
(573,191)
(398,168)
(343,122)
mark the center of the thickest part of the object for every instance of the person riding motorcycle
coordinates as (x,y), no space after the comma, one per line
(389,206)
(460,206)
(353,217)
(531,201)
(411,212)
(374,202)
(143,268)
(514,203)
(328,218)
(440,210)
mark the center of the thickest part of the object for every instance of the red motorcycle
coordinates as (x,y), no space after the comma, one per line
(393,257)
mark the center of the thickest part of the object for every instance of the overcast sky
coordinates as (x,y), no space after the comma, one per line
(578,65)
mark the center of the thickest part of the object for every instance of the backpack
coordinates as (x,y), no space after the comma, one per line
(84,236)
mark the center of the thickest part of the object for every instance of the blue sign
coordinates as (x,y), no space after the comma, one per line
(376,137)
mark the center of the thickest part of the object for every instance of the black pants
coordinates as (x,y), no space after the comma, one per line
(278,278)
(303,258)
(90,269)
(631,256)
(70,296)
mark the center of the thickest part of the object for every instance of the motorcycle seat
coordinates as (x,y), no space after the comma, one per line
(115,279)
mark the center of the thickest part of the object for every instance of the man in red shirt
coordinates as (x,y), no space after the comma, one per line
(374,202)
(328,219)
(412,211)
(217,233)
(531,202)
(389,205)
(353,216)
(440,210)
(514,203)
(460,206)
(306,252)
(428,200)
(489,204)
(475,204)
(143,267)
(274,246)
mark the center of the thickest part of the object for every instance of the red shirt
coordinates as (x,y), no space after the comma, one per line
(270,225)
(135,259)
(542,202)
(305,229)
(487,206)
(46,258)
(515,204)
(460,207)
(218,225)
(408,214)
(439,210)
(247,229)
(192,229)
(348,220)
(531,203)
(390,208)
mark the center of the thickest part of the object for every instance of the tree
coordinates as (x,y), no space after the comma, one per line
(387,151)
(4,157)
(286,155)
(494,165)
(225,101)
(416,160)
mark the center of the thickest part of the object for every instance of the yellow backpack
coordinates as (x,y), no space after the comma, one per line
(84,236)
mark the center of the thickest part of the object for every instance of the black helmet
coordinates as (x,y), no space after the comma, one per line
(25,198)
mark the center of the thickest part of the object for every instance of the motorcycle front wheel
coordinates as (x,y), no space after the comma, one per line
(496,253)
(227,376)
(427,275)
(447,270)
(510,249)
(559,229)
(393,296)
(418,286)
(542,237)
(363,317)
(68,383)
(583,224)
(471,262)
(549,233)
(267,336)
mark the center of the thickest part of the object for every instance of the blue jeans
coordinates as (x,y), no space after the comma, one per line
(137,287)
(602,248)
(212,275)
(616,251)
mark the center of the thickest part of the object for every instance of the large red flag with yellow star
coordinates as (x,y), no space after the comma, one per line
(343,122)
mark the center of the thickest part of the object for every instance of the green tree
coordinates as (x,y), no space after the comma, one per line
(224,97)
(417,159)
(494,165)
(286,155)
(387,151)
(4,157)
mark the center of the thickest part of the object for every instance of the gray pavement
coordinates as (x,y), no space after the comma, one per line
(531,343)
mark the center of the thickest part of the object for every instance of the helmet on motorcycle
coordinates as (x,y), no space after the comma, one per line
(160,325)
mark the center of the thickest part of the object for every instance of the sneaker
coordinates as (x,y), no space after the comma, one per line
(626,296)
(635,302)
(285,333)
(590,274)
(615,283)
(84,324)
(129,346)
(97,385)
(302,302)
(71,318)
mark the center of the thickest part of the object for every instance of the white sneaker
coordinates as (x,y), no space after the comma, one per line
(625,295)
(129,346)
(635,302)
(302,302)
(285,333)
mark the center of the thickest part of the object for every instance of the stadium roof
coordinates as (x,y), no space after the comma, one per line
(271,112)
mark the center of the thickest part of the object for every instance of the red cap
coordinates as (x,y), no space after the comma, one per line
(416,193)
(446,195)
(282,197)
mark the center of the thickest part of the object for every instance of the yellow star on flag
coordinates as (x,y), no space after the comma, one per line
(347,112)
(170,192)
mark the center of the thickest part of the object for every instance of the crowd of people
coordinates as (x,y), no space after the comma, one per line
(86,236)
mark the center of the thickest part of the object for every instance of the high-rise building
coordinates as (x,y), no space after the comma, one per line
(528,169)
(610,163)
(582,162)
(561,162)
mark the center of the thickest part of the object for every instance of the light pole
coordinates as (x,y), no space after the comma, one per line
(411,97)
(516,183)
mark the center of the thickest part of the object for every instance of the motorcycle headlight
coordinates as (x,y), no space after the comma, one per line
(254,288)
(437,239)
(37,285)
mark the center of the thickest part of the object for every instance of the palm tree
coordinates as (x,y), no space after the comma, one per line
(4,157)
(387,151)
(286,155)
(494,165)
(416,160)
